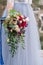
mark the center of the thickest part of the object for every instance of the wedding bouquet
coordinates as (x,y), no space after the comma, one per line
(14,26)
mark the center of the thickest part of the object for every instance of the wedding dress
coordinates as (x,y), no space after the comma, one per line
(31,54)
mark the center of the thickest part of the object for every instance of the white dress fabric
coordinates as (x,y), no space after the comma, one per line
(31,54)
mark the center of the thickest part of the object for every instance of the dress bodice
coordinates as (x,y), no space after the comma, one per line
(25,1)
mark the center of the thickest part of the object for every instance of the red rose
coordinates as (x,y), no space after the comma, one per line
(20,25)
(20,18)
(24,24)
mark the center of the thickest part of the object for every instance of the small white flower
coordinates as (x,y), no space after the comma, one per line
(8,40)
(24,20)
(20,21)
(11,30)
(27,19)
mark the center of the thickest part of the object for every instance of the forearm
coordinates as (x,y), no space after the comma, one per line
(10,5)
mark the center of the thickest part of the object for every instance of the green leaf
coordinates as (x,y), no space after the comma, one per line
(12,12)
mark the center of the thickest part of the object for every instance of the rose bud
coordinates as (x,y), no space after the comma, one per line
(24,17)
(19,33)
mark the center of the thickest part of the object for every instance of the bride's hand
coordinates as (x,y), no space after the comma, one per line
(10,5)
